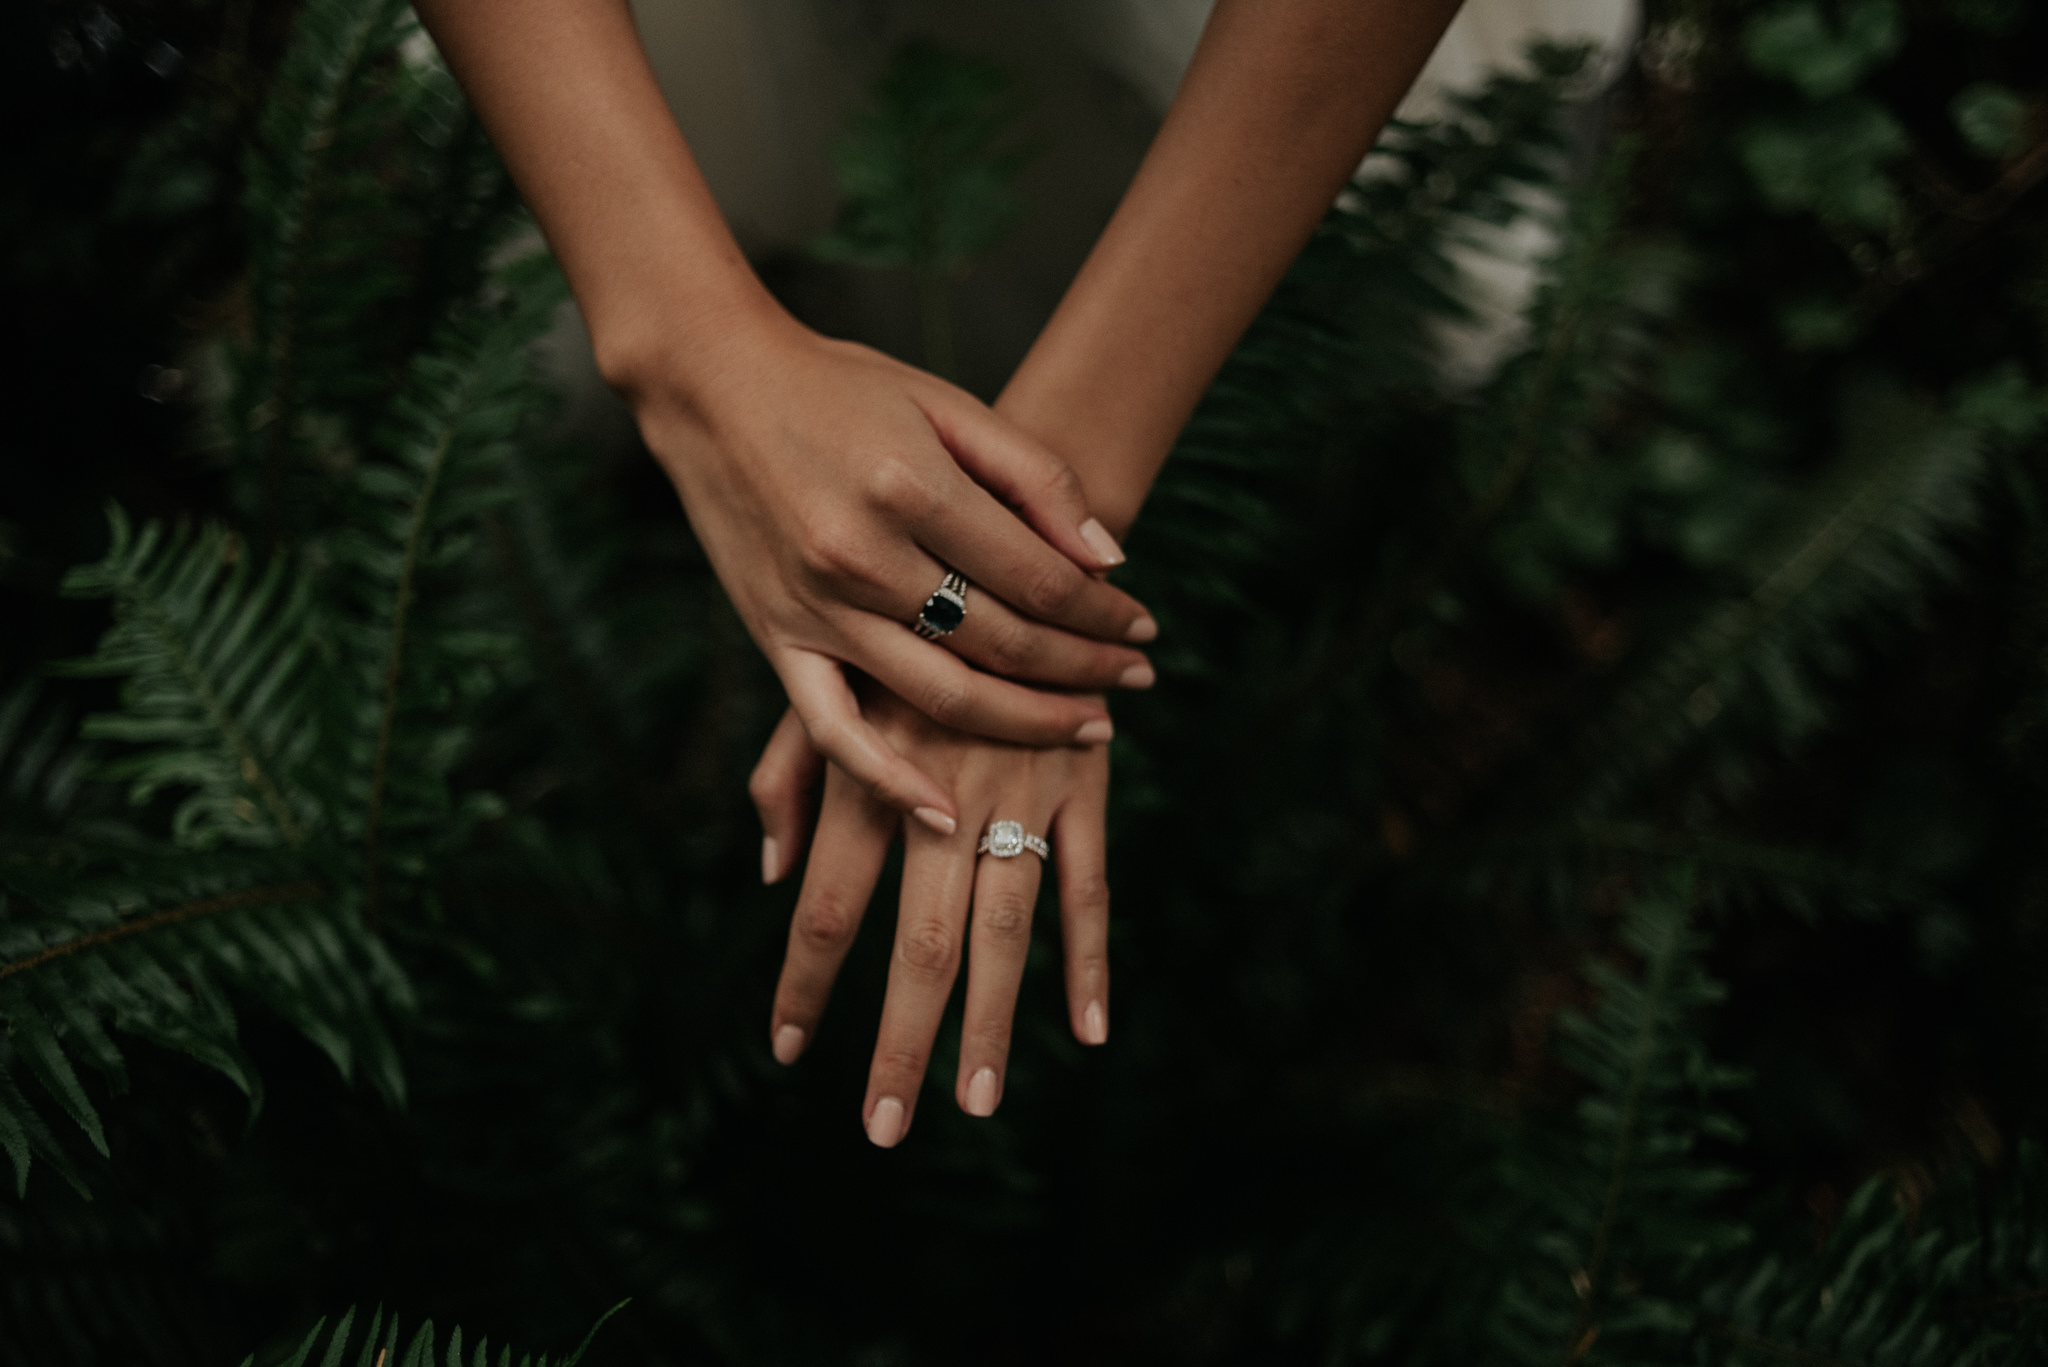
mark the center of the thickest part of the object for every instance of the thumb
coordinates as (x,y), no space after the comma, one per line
(781,787)
(1025,474)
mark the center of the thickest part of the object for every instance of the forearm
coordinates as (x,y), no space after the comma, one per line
(565,90)
(1282,100)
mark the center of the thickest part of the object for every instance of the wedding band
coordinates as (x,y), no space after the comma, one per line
(943,612)
(1008,839)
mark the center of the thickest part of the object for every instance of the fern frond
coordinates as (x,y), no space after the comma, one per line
(312,188)
(1620,1202)
(379,1346)
(443,448)
(1959,1279)
(1875,536)
(213,653)
(158,963)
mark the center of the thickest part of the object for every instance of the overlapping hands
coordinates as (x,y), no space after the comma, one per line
(832,488)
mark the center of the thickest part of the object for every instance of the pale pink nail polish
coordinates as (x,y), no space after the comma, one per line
(981,1092)
(771,859)
(789,1042)
(885,1126)
(937,820)
(1094,1024)
(1102,543)
(1139,675)
(1142,630)
(1096,732)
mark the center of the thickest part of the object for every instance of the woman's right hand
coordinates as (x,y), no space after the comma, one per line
(832,487)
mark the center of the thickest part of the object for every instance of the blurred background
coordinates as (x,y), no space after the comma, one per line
(1581,879)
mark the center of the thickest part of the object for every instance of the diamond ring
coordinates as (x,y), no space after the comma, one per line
(1008,839)
(945,610)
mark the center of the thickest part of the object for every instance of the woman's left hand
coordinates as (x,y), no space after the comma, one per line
(1058,793)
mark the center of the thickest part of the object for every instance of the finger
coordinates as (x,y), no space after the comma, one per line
(1029,477)
(781,786)
(967,528)
(854,831)
(831,717)
(940,685)
(938,875)
(1082,856)
(999,940)
(1003,641)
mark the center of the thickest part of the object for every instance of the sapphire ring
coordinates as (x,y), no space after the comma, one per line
(945,610)
(1008,839)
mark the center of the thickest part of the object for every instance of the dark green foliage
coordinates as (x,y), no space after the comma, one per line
(380,1346)
(1953,1276)
(926,176)
(1579,881)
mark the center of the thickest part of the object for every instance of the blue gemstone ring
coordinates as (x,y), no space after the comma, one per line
(945,610)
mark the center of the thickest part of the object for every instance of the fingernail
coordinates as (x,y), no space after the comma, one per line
(1142,630)
(1094,732)
(771,856)
(981,1092)
(1094,1024)
(937,820)
(885,1126)
(1139,675)
(1102,543)
(789,1042)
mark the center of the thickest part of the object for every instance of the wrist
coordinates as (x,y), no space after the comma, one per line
(671,340)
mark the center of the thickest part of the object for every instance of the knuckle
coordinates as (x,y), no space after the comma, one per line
(928,949)
(830,552)
(1089,891)
(1008,647)
(896,1062)
(946,702)
(1063,484)
(1004,916)
(827,922)
(764,786)
(1051,588)
(898,487)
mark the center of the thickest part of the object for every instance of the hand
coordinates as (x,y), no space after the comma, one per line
(1058,792)
(832,486)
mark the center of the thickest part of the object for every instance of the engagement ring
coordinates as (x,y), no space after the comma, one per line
(1008,839)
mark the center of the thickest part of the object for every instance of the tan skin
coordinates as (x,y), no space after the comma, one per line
(828,483)
(1280,104)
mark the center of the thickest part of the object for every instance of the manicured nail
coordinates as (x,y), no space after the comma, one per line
(1139,675)
(1095,732)
(789,1042)
(981,1092)
(937,820)
(1142,630)
(1094,1024)
(885,1126)
(1102,543)
(771,857)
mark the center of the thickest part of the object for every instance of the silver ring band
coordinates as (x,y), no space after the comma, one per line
(943,612)
(1008,839)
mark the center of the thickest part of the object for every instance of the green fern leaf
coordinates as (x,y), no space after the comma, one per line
(379,1345)
(210,651)
(414,514)
(160,969)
